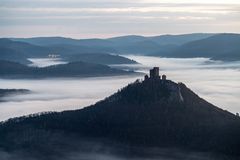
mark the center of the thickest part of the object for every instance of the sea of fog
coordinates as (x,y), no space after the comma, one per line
(216,81)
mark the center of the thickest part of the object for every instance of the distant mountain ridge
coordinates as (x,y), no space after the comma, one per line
(219,46)
(152,113)
(25,48)
(17,51)
(131,44)
(121,40)
(180,39)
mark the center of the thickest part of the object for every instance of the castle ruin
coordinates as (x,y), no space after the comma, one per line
(154,75)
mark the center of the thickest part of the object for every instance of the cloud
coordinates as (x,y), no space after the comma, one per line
(204,16)
(163,8)
(193,1)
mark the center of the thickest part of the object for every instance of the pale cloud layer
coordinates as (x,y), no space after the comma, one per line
(203,76)
(106,18)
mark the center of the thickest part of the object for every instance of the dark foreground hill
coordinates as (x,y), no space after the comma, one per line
(149,114)
(73,69)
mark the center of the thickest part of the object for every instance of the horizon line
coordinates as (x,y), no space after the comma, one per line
(116,36)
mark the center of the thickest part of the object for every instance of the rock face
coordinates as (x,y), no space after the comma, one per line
(157,113)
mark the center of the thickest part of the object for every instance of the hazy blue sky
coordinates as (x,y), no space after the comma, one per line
(106,18)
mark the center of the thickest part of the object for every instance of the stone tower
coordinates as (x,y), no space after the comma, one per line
(154,73)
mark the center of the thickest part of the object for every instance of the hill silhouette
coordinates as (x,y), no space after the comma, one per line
(130,44)
(73,69)
(219,47)
(121,40)
(102,58)
(20,51)
(150,113)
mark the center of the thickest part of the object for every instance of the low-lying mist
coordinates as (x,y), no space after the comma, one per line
(44,62)
(102,151)
(215,81)
(58,94)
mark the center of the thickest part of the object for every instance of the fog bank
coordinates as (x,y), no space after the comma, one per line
(58,94)
(215,81)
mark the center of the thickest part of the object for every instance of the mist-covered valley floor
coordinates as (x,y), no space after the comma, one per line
(215,81)
(86,149)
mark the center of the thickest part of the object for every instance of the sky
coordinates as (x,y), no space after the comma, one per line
(109,18)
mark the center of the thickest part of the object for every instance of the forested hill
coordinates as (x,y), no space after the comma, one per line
(17,51)
(97,58)
(73,69)
(223,47)
(151,113)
